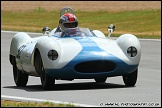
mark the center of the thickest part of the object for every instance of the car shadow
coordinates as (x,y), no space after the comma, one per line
(71,86)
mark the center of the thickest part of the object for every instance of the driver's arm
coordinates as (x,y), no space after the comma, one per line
(58,29)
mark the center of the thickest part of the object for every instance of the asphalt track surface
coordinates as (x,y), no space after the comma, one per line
(146,93)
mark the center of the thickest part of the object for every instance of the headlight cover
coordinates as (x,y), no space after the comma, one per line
(132,51)
(52,55)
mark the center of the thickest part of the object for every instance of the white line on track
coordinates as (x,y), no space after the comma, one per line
(15,98)
(41,33)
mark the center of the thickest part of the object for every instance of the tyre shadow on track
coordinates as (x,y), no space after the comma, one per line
(71,86)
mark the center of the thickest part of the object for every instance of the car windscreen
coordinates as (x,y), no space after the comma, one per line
(70,32)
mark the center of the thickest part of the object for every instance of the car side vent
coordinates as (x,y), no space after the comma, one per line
(95,66)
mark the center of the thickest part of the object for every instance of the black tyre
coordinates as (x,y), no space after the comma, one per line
(47,81)
(100,80)
(20,78)
(130,79)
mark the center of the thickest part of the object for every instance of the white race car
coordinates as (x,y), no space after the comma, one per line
(76,53)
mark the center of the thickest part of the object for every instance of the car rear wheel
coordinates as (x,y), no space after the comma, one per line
(20,78)
(100,80)
(130,79)
(47,81)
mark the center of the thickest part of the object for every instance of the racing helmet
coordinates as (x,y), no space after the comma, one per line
(68,20)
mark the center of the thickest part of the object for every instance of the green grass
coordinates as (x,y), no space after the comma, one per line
(144,23)
(7,103)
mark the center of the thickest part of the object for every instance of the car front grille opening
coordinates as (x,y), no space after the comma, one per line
(95,66)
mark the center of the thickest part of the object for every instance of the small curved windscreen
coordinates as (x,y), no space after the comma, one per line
(70,32)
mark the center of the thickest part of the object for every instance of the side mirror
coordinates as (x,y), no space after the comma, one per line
(46,30)
(111,28)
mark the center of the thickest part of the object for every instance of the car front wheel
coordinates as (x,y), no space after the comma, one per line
(130,79)
(100,80)
(47,81)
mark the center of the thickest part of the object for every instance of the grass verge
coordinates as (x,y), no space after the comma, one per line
(144,23)
(8,103)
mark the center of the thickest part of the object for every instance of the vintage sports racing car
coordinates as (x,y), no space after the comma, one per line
(74,53)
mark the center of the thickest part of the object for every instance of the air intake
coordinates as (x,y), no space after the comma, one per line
(95,66)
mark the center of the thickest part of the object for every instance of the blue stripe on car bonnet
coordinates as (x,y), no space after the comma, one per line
(90,50)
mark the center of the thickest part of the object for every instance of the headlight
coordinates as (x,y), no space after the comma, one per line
(52,55)
(132,51)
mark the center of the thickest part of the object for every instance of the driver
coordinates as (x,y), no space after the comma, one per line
(66,21)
